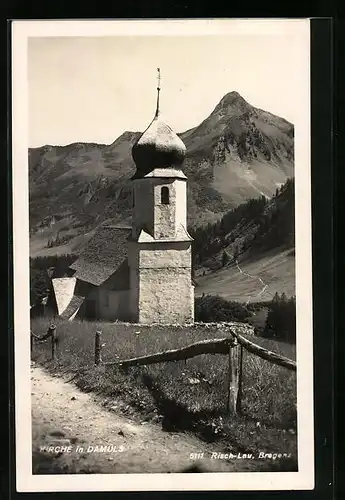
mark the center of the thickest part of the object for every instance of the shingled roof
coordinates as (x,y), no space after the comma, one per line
(103,254)
(73,307)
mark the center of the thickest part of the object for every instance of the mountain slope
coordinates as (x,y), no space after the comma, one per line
(254,281)
(249,254)
(236,153)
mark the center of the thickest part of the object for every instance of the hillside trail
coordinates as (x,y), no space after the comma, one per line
(63,416)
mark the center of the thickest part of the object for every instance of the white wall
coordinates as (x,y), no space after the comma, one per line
(113,305)
(167,255)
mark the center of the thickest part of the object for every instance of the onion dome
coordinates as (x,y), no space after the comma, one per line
(158,147)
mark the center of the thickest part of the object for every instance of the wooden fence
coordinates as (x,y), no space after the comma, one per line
(50,334)
(231,346)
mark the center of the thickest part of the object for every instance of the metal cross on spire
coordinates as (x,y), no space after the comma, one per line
(159,78)
(158,89)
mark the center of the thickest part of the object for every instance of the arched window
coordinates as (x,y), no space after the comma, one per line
(165,195)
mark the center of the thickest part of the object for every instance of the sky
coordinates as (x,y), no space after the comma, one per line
(93,88)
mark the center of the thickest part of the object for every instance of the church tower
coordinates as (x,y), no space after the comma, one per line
(159,253)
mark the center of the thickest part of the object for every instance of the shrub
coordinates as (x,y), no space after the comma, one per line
(209,308)
(39,285)
(281,319)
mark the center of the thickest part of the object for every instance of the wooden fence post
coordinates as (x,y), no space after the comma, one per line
(234,376)
(240,375)
(54,342)
(98,348)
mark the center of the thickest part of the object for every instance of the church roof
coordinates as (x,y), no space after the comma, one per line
(158,146)
(103,254)
(180,235)
(73,307)
(173,173)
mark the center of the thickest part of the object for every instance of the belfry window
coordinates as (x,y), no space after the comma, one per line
(165,195)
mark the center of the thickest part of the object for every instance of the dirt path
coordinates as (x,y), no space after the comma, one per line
(63,416)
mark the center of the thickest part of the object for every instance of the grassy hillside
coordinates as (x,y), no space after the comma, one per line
(248,255)
(276,269)
(255,226)
(189,396)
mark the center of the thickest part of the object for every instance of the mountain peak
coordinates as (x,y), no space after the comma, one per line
(233,94)
(232,99)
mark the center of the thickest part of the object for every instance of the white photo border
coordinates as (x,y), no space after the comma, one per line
(237,481)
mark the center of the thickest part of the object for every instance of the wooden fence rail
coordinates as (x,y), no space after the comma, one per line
(272,357)
(215,346)
(218,346)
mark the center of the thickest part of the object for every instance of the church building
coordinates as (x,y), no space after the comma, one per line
(140,273)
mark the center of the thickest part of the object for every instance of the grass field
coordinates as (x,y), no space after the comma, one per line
(277,270)
(183,396)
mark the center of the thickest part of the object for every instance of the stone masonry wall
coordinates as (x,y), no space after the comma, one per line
(166,255)
(161,289)
(166,293)
(149,213)
(165,215)
(166,296)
